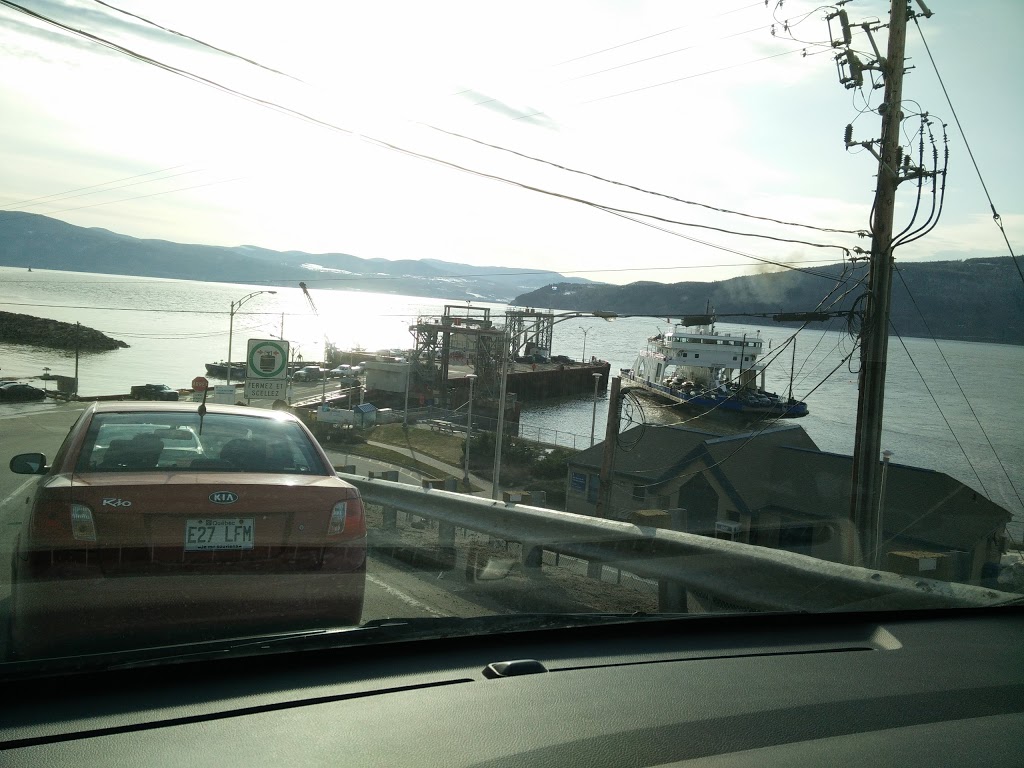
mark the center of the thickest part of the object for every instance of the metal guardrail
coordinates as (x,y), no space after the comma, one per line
(731,572)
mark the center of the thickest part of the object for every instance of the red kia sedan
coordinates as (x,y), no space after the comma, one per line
(160,523)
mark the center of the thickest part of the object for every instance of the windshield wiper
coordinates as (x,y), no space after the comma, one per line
(374,632)
(378,631)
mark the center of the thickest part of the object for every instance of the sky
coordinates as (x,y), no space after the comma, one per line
(328,127)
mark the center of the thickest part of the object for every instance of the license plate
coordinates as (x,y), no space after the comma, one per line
(219,533)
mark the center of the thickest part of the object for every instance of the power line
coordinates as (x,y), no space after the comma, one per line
(722,247)
(60,197)
(691,77)
(152,194)
(939,408)
(20,203)
(200,42)
(967,400)
(859,233)
(323,123)
(656,34)
(667,53)
(995,214)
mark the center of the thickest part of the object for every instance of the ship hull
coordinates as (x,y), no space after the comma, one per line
(719,402)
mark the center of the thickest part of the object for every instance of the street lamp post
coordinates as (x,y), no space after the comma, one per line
(593,419)
(469,428)
(585,332)
(408,378)
(231,322)
(500,429)
(503,379)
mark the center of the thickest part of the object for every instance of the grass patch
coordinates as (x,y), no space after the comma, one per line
(438,445)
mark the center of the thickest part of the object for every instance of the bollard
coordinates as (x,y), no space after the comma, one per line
(451,484)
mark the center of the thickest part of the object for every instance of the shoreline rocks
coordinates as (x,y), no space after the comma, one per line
(54,334)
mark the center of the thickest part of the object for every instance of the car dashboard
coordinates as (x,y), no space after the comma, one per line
(909,689)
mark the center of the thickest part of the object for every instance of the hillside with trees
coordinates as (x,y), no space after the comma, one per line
(973,300)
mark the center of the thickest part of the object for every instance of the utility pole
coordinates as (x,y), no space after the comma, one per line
(874,333)
(611,437)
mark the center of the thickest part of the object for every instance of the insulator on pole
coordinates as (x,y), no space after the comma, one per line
(848,136)
(844,20)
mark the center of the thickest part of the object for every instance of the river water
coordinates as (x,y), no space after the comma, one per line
(963,419)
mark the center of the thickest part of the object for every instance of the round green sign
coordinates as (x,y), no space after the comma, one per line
(268,360)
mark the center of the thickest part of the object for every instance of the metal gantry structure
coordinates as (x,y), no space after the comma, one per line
(470,334)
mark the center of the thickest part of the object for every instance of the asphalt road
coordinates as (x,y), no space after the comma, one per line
(392,589)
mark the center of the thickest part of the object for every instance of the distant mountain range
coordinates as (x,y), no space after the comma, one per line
(973,300)
(30,240)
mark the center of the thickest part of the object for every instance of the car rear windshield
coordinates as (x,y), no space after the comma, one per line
(148,441)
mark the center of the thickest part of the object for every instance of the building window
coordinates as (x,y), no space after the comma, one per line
(639,492)
(696,354)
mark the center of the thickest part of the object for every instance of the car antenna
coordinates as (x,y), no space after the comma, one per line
(202,410)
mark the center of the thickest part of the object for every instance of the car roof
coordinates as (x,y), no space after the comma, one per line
(190,407)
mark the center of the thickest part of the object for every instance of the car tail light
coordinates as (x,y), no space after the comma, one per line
(82,526)
(338,515)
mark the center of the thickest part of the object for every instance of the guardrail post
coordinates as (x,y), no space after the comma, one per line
(446,538)
(671,593)
(390,515)
(533,554)
(671,597)
(348,469)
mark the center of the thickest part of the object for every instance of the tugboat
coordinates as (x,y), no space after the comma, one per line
(220,370)
(695,366)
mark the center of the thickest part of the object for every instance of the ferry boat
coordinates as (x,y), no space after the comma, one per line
(693,365)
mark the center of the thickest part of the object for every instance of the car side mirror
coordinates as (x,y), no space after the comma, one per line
(29,464)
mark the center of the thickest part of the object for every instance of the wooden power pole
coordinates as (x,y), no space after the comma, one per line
(874,334)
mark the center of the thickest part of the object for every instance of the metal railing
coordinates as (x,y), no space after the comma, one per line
(541,435)
(688,567)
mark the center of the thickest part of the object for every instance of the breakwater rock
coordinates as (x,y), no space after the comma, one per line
(40,332)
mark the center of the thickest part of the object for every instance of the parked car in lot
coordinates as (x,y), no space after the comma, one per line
(144,502)
(309,373)
(153,392)
(12,391)
(340,371)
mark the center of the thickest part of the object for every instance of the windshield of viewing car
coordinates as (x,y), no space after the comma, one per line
(471,312)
